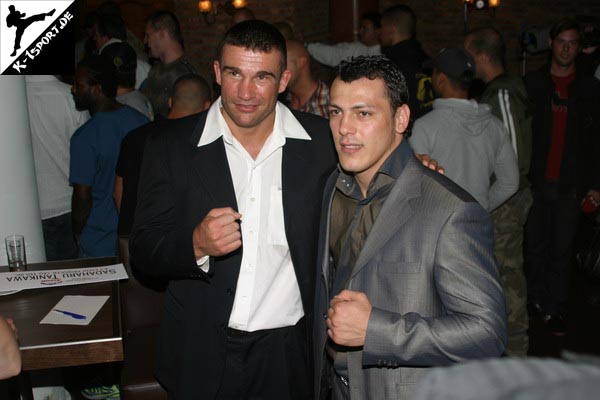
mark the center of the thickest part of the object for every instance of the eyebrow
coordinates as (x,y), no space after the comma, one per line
(358,106)
(235,69)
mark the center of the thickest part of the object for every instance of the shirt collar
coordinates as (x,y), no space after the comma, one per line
(285,126)
(392,167)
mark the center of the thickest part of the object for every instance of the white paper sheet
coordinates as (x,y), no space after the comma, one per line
(87,306)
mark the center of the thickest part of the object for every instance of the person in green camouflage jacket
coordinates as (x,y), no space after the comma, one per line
(508,99)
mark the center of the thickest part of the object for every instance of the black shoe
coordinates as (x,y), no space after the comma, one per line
(14,53)
(51,13)
(557,325)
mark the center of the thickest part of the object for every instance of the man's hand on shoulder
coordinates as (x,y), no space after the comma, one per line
(348,318)
(218,233)
(430,163)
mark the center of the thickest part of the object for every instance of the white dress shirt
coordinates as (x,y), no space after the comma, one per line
(267,294)
(52,119)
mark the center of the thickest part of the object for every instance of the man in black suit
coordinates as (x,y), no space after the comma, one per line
(239,302)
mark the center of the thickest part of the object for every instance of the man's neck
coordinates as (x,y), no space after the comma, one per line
(105,104)
(399,38)
(252,138)
(562,71)
(492,72)
(302,91)
(171,54)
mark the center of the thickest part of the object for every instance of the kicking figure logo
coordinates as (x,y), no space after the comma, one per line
(18,20)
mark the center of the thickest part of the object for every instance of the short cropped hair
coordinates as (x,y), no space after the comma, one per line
(168,21)
(376,67)
(403,18)
(203,88)
(489,41)
(565,24)
(254,35)
(100,72)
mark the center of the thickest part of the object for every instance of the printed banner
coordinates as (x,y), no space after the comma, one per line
(37,37)
(10,281)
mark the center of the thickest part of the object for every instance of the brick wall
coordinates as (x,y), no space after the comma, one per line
(441,23)
(309,17)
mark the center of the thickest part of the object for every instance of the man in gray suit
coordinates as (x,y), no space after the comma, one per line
(407,277)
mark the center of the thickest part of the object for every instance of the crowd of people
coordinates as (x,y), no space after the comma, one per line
(321,240)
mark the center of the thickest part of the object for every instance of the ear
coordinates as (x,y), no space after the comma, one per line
(401,119)
(217,70)
(283,82)
(550,43)
(170,102)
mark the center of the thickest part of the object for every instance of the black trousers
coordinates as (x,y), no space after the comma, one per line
(267,364)
(549,236)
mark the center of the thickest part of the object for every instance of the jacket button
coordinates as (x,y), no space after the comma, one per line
(229,291)
(325,316)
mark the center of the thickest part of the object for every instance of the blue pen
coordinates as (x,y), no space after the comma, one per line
(70,314)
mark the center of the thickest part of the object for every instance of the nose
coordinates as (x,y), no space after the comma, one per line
(345,125)
(246,89)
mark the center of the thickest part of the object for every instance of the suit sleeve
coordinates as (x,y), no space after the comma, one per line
(506,171)
(159,245)
(466,279)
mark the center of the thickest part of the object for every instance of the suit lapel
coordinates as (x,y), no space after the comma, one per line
(393,215)
(295,162)
(209,162)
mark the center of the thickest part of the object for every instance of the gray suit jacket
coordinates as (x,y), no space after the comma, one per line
(428,269)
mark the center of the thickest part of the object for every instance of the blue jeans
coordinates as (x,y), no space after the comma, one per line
(58,238)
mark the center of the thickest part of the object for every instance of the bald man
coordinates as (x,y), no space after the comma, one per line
(305,93)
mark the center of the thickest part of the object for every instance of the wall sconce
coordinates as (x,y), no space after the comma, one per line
(210,9)
(481,4)
(477,5)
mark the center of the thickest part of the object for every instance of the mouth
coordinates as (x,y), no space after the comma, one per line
(350,148)
(246,108)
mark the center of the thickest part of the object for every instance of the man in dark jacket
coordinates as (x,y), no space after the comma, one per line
(507,97)
(564,170)
(398,43)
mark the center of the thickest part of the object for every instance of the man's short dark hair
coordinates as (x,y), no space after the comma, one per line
(168,21)
(403,18)
(100,72)
(111,26)
(489,41)
(565,24)
(464,82)
(376,67)
(255,35)
(374,17)
(202,86)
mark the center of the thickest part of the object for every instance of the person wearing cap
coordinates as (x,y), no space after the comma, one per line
(406,277)
(464,136)
(122,57)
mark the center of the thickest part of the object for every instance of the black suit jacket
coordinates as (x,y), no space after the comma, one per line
(180,183)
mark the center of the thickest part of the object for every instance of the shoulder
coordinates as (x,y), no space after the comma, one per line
(312,122)
(438,189)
